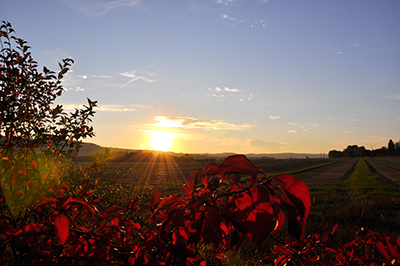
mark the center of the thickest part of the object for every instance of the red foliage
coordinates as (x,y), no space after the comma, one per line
(215,210)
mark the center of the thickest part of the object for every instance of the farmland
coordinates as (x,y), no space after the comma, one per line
(169,175)
(333,199)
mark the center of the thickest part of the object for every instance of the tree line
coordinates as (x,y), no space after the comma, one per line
(392,149)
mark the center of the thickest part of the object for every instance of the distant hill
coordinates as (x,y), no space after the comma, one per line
(89,149)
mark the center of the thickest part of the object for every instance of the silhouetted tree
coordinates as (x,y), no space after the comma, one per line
(29,119)
(397,148)
(335,154)
(354,151)
(391,147)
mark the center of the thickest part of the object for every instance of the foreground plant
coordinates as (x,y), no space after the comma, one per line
(216,210)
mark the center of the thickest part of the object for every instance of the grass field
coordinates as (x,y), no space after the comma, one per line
(363,199)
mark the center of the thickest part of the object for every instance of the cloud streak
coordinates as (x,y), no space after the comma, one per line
(94,76)
(133,77)
(228,94)
(106,108)
(225,2)
(194,123)
(98,8)
(395,96)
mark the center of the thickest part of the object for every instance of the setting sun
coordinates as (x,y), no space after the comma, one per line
(161,141)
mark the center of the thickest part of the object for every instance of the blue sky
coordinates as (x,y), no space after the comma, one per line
(225,75)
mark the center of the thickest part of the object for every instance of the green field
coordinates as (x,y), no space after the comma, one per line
(363,200)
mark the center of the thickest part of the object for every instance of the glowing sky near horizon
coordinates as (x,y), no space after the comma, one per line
(225,75)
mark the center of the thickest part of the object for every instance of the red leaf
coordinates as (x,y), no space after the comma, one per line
(252,180)
(280,220)
(233,164)
(382,249)
(398,241)
(214,182)
(45,176)
(115,221)
(180,234)
(210,169)
(34,164)
(194,178)
(298,193)
(155,199)
(61,225)
(168,201)
(334,229)
(392,250)
(255,214)
(211,231)
(81,203)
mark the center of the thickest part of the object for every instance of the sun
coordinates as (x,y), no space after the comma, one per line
(161,141)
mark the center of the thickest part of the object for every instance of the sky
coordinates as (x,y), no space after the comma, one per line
(212,76)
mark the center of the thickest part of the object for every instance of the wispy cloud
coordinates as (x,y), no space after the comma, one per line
(260,22)
(231,90)
(304,128)
(225,2)
(94,76)
(98,8)
(217,89)
(395,96)
(347,132)
(72,82)
(227,94)
(75,82)
(194,123)
(273,117)
(226,16)
(354,120)
(309,128)
(77,88)
(147,77)
(106,107)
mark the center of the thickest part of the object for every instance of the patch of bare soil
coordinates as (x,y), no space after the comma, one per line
(334,172)
(388,167)
(283,165)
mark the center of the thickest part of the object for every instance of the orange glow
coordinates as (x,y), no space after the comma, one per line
(161,141)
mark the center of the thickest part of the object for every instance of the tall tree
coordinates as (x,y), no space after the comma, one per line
(28,116)
(37,137)
(391,147)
